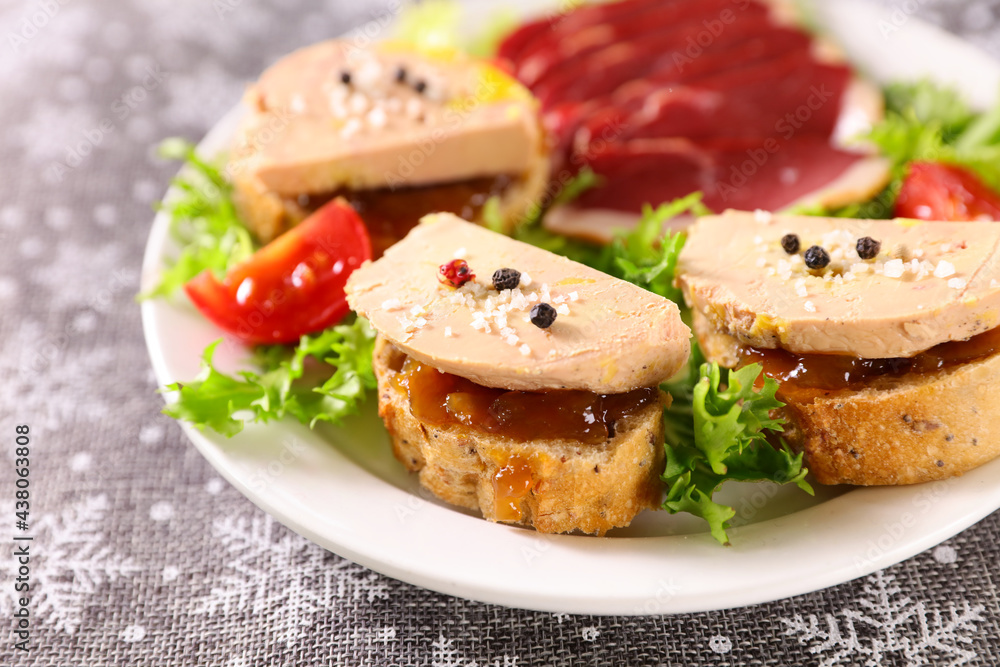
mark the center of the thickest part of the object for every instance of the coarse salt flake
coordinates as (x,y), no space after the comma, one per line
(525,279)
(525,350)
(809,306)
(562,309)
(417,310)
(894,268)
(447,332)
(391,304)
(944,269)
(574,296)
(957,283)
(459,253)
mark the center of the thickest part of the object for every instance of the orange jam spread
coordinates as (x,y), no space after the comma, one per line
(830,372)
(511,483)
(442,399)
(390,213)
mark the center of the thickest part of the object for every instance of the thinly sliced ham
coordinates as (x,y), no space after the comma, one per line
(604,71)
(777,98)
(659,20)
(522,43)
(665,97)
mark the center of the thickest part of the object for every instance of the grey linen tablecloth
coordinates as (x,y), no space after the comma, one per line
(142,554)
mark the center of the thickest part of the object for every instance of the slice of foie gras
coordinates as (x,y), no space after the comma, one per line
(609,336)
(932,282)
(334,116)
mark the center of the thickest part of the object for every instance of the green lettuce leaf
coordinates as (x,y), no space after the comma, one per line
(285,385)
(926,121)
(716,432)
(203,222)
(645,256)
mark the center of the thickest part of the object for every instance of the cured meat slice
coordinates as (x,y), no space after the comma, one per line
(660,54)
(539,33)
(778,97)
(712,17)
(665,97)
(742,174)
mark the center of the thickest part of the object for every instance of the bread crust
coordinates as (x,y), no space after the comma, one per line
(895,431)
(575,487)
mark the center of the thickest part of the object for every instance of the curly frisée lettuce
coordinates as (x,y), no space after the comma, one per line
(284,386)
(203,221)
(717,434)
(925,121)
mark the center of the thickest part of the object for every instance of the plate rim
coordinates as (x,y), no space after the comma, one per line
(347,541)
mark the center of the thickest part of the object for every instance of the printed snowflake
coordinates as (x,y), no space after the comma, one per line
(445,654)
(890,623)
(70,562)
(278,575)
(54,399)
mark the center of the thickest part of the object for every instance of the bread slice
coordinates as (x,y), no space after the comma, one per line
(268,214)
(894,431)
(574,487)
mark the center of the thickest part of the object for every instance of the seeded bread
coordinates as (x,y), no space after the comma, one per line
(575,487)
(895,431)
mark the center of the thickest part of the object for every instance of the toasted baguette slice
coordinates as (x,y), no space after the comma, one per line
(894,431)
(575,487)
(404,118)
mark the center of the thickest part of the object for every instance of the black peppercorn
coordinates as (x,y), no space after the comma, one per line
(345,78)
(816,257)
(420,86)
(543,315)
(400,74)
(868,248)
(506,278)
(790,243)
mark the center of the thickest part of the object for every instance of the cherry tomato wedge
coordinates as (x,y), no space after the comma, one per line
(292,286)
(939,191)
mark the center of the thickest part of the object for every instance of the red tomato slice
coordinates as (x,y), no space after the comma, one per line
(938,191)
(293,285)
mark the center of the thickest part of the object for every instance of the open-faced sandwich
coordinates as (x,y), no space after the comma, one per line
(883,335)
(396,131)
(518,382)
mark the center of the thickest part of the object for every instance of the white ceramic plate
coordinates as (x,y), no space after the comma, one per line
(342,488)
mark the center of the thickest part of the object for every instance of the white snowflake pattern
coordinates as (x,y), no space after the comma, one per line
(282,576)
(444,653)
(72,563)
(889,623)
(54,399)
